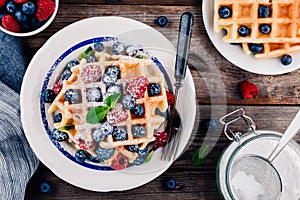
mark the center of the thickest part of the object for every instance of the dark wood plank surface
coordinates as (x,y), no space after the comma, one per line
(216,82)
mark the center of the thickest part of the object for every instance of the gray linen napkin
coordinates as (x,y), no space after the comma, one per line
(17,160)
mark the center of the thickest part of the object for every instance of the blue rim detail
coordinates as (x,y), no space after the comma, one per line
(48,77)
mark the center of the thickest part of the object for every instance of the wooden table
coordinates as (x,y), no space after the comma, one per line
(272,109)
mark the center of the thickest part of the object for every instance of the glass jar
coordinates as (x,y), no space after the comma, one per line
(260,143)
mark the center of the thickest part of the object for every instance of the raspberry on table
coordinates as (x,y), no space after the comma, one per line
(137,87)
(248,90)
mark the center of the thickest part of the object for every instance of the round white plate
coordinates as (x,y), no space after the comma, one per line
(235,53)
(97,179)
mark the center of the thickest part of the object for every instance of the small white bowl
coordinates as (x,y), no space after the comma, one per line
(36,31)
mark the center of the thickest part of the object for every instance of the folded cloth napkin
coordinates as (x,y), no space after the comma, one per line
(17,160)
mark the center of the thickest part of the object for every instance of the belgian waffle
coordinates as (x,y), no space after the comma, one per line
(272,50)
(284,20)
(75,114)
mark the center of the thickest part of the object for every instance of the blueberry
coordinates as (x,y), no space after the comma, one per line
(263,11)
(243,31)
(104,153)
(133,148)
(1,15)
(114,89)
(91,158)
(119,133)
(138,110)
(139,160)
(59,136)
(91,59)
(47,96)
(66,75)
(144,151)
(35,22)
(45,187)
(128,102)
(138,131)
(211,123)
(117,48)
(265,28)
(11,6)
(286,59)
(225,12)
(20,16)
(162,21)
(170,184)
(131,50)
(153,89)
(109,79)
(94,95)
(71,64)
(113,70)
(97,135)
(57,118)
(80,156)
(98,46)
(28,8)
(106,128)
(255,48)
(72,96)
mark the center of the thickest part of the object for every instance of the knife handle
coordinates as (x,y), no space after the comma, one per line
(183,45)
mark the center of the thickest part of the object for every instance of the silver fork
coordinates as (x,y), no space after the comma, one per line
(173,128)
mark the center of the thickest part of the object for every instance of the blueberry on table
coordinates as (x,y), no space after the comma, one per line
(45,187)
(80,156)
(153,89)
(255,48)
(47,96)
(286,59)
(72,96)
(138,110)
(263,11)
(265,28)
(162,21)
(225,12)
(98,46)
(28,8)
(243,31)
(170,184)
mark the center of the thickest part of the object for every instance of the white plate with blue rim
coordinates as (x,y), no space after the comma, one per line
(52,56)
(235,53)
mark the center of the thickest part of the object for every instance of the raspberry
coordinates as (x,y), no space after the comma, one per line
(248,90)
(118,114)
(2,3)
(138,86)
(83,144)
(10,24)
(91,73)
(170,98)
(45,9)
(120,162)
(57,88)
(160,139)
(20,1)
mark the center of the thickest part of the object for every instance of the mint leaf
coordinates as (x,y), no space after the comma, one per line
(149,156)
(65,128)
(199,156)
(86,53)
(112,100)
(96,115)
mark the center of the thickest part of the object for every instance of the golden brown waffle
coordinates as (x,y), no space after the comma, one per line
(284,21)
(75,114)
(272,50)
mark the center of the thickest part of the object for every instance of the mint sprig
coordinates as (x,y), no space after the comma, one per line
(199,156)
(149,156)
(97,114)
(86,53)
(65,128)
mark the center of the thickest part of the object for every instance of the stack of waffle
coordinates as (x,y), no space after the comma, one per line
(283,18)
(75,114)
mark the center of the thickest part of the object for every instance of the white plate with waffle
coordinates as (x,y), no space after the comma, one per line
(241,55)
(49,63)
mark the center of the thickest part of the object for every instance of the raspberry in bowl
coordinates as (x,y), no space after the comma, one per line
(26,17)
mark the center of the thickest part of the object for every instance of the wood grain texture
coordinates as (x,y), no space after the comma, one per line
(216,82)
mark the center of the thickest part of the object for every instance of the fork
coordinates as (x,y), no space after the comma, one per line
(173,128)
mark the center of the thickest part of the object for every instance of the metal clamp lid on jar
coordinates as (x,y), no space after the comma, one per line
(239,115)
